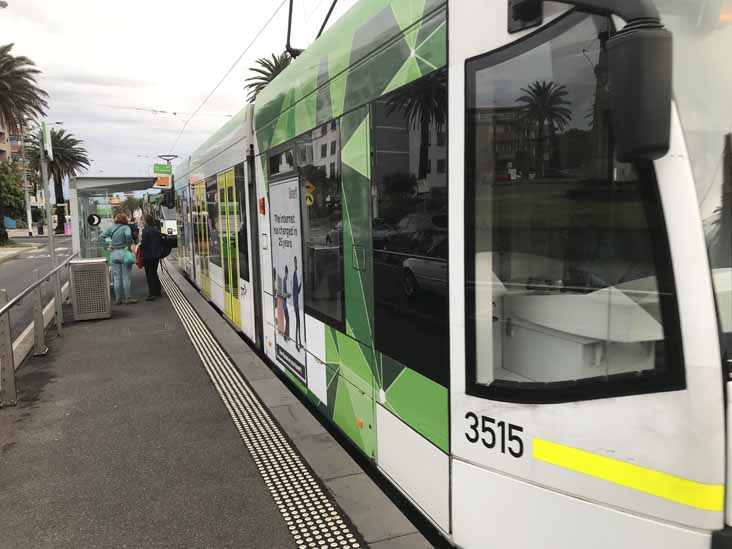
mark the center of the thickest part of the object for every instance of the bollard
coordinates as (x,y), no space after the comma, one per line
(39,326)
(8,394)
(58,295)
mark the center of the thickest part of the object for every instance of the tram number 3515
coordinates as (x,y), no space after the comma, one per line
(494,434)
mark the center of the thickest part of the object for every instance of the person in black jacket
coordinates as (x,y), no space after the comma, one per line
(152,247)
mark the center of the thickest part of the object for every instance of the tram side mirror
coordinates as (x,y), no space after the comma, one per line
(639,65)
(639,75)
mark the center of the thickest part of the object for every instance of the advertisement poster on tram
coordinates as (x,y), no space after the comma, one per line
(289,300)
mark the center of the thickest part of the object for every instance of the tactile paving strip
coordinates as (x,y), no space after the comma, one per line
(309,512)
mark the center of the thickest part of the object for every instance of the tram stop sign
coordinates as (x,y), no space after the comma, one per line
(163,172)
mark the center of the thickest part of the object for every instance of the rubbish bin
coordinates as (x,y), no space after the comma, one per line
(90,289)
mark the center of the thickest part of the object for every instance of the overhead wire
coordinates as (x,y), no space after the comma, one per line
(226,75)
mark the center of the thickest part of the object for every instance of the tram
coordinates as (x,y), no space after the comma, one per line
(491,241)
(163,212)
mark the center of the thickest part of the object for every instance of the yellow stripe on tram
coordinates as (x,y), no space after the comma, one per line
(709,497)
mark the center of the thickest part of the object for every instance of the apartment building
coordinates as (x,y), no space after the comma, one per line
(4,142)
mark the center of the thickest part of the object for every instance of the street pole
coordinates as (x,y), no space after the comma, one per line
(49,222)
(26,191)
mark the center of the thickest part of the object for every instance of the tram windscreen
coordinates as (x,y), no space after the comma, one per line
(702,32)
(167,213)
(565,240)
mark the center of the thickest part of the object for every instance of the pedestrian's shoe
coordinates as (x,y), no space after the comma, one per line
(150,298)
(130,301)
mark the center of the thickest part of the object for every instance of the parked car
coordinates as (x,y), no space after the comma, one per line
(427,272)
(381,231)
(417,232)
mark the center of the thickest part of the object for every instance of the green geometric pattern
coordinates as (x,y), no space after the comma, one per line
(351,405)
(375,47)
(357,243)
(422,404)
(356,152)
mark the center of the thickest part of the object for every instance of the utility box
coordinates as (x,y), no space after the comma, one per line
(90,289)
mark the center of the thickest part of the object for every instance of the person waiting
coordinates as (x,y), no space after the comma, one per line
(153,249)
(119,239)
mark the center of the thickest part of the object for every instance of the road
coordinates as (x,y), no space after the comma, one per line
(17,274)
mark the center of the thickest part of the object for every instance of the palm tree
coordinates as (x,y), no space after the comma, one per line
(546,104)
(266,71)
(130,205)
(69,160)
(422,103)
(20,97)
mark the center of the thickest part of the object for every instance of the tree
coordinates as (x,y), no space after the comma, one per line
(20,97)
(422,103)
(69,160)
(130,205)
(545,105)
(11,190)
(266,70)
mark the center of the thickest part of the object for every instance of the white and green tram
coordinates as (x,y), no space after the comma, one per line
(491,241)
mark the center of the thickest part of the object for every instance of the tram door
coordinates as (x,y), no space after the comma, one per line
(200,227)
(586,404)
(229,236)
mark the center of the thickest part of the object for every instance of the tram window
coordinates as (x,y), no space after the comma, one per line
(322,214)
(243,238)
(567,254)
(410,227)
(281,163)
(212,207)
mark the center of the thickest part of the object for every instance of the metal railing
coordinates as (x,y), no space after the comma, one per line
(8,392)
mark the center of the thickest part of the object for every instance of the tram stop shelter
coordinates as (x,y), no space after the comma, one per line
(95,195)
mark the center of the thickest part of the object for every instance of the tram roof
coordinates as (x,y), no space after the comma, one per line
(313,89)
(230,134)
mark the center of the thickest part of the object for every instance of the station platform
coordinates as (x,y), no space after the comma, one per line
(161,428)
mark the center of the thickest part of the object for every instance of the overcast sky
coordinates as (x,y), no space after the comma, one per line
(100,59)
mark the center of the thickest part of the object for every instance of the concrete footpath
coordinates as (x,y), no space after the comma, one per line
(121,440)
(123,436)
